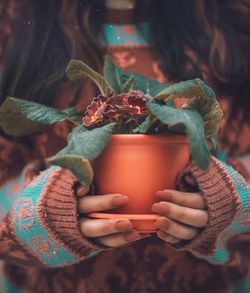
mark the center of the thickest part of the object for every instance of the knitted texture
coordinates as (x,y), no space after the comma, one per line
(239,225)
(42,224)
(57,210)
(222,201)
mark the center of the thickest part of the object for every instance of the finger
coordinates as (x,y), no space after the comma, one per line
(168,238)
(121,239)
(190,180)
(186,199)
(82,190)
(98,203)
(188,216)
(101,227)
(176,229)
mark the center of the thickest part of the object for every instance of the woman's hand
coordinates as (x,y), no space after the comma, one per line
(108,232)
(183,215)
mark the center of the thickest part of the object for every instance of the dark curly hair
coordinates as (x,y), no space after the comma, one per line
(50,33)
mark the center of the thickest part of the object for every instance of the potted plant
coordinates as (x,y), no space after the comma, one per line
(133,139)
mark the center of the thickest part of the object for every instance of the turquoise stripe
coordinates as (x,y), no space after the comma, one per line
(29,229)
(10,191)
(221,155)
(7,287)
(126,34)
(241,222)
(4,201)
(220,257)
(242,287)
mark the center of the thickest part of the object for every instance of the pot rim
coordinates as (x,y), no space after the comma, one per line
(149,138)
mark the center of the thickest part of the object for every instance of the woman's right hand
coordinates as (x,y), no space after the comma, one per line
(107,232)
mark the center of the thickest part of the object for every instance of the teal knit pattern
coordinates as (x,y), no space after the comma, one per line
(241,222)
(130,34)
(29,228)
(8,287)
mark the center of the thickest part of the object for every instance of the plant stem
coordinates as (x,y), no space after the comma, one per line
(72,121)
(153,122)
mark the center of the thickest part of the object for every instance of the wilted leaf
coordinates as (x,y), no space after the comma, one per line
(14,122)
(21,117)
(39,113)
(77,70)
(88,143)
(193,124)
(78,165)
(210,111)
(202,99)
(188,89)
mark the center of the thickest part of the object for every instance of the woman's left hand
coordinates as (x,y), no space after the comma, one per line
(183,215)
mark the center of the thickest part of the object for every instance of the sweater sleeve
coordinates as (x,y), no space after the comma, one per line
(227,196)
(40,227)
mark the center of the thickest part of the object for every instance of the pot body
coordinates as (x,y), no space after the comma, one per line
(138,165)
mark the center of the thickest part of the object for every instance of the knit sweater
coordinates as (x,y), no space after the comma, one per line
(45,251)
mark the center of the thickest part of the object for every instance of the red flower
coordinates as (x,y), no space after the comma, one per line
(95,111)
(115,107)
(134,103)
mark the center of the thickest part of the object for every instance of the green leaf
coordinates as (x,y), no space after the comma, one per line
(188,89)
(193,124)
(77,70)
(88,143)
(144,126)
(72,114)
(147,85)
(214,142)
(128,85)
(112,74)
(39,113)
(78,165)
(14,122)
(117,77)
(202,99)
(20,117)
(210,111)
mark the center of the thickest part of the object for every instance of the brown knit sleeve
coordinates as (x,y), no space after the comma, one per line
(41,227)
(222,200)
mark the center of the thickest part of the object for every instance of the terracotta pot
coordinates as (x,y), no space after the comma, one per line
(138,165)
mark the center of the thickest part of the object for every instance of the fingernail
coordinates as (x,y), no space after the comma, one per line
(81,190)
(165,194)
(145,235)
(119,200)
(123,225)
(132,236)
(160,207)
(162,223)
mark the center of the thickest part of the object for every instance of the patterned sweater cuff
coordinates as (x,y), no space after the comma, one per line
(222,201)
(58,212)
(44,221)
